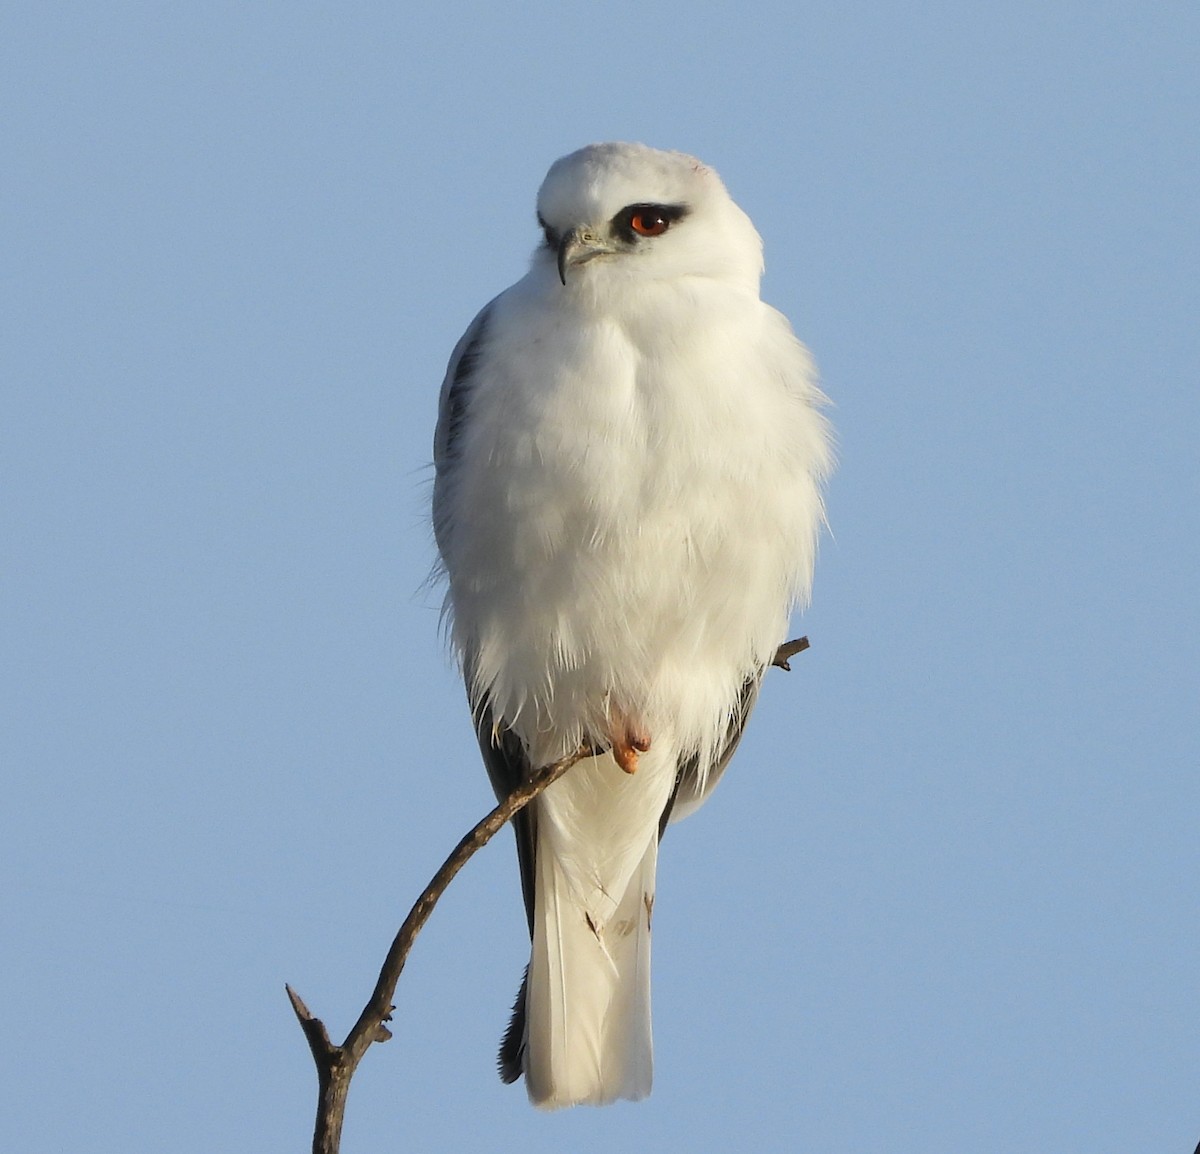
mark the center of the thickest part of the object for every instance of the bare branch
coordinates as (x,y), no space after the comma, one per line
(336,1064)
(787,650)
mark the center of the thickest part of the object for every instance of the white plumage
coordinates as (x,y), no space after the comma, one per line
(629,464)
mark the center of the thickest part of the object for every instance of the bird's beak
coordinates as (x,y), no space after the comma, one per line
(577,246)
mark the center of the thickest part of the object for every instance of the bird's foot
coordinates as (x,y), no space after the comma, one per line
(626,746)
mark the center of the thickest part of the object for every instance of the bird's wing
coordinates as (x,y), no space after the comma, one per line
(508,766)
(452,414)
(692,787)
(503,752)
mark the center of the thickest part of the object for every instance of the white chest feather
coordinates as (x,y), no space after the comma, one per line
(636,508)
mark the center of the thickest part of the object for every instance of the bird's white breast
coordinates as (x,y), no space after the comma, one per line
(634,507)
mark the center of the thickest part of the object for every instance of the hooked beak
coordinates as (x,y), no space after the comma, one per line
(578,246)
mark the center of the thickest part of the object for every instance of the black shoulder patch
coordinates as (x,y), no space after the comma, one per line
(460,386)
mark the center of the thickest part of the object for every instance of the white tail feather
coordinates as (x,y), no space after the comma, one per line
(588,1004)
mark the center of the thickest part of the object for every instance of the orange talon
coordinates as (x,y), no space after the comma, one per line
(625,756)
(625,749)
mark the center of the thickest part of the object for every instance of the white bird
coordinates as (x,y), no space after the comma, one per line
(629,460)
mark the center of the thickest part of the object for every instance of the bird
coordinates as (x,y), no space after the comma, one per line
(630,459)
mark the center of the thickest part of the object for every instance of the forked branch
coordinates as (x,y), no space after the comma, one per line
(336,1064)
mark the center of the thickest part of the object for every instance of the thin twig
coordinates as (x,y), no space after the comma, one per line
(787,650)
(336,1064)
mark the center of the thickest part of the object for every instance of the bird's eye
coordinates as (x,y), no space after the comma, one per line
(646,219)
(648,222)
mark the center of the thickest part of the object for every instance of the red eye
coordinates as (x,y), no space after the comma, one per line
(647,222)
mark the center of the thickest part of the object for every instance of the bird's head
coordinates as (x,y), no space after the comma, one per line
(618,210)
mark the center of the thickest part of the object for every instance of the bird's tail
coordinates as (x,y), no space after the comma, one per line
(587,1001)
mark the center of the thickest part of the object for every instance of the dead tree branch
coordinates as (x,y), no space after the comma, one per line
(336,1064)
(788,650)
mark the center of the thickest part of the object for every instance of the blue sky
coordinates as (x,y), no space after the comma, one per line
(947,896)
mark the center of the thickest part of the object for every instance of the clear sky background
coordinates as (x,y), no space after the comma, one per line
(946,899)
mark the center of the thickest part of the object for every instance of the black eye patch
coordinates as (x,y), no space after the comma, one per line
(551,235)
(638,221)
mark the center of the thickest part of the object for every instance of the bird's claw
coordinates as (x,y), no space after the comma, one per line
(627,746)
